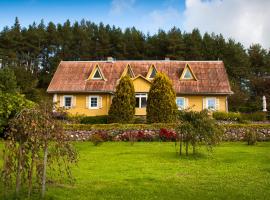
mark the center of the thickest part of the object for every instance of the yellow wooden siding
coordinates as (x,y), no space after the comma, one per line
(81,107)
(141,85)
(140,111)
(194,102)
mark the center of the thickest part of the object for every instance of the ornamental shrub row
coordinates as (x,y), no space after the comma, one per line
(227,116)
(116,126)
(256,116)
(233,116)
(94,120)
(157,126)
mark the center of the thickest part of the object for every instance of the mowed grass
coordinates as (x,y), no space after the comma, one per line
(154,171)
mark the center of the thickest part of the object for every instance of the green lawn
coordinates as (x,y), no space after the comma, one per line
(154,171)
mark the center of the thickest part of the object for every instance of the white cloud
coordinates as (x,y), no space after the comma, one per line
(161,19)
(246,21)
(118,7)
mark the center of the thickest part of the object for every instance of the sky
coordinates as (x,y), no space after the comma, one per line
(246,21)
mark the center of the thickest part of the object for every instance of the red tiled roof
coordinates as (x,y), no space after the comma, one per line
(71,76)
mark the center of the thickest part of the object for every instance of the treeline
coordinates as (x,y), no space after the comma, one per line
(34,53)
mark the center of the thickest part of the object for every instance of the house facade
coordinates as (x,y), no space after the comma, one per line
(87,87)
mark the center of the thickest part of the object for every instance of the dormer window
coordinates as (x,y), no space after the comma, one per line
(188,74)
(151,72)
(96,74)
(128,72)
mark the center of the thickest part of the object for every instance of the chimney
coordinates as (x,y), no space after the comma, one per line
(167,59)
(110,59)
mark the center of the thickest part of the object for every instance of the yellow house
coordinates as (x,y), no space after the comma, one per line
(87,87)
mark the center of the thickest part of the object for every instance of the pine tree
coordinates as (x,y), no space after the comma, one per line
(8,83)
(175,44)
(122,109)
(161,105)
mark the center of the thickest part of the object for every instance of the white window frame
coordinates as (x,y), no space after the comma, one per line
(206,103)
(90,99)
(184,106)
(140,95)
(71,102)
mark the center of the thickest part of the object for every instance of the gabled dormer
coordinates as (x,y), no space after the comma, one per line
(188,74)
(128,72)
(152,71)
(96,74)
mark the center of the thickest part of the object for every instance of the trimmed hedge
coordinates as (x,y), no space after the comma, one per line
(233,116)
(227,116)
(88,127)
(254,126)
(156,126)
(256,116)
(95,120)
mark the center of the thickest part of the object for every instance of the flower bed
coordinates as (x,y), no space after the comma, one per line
(157,132)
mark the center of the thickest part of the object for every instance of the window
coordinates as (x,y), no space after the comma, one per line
(97,75)
(128,72)
(153,73)
(93,102)
(180,101)
(141,100)
(67,101)
(188,75)
(211,103)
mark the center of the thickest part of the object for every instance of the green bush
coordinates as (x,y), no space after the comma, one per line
(103,119)
(227,116)
(139,120)
(74,119)
(256,116)
(10,105)
(96,139)
(251,137)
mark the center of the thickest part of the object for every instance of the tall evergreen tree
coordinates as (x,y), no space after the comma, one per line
(161,106)
(193,45)
(8,83)
(122,109)
(258,60)
(176,45)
